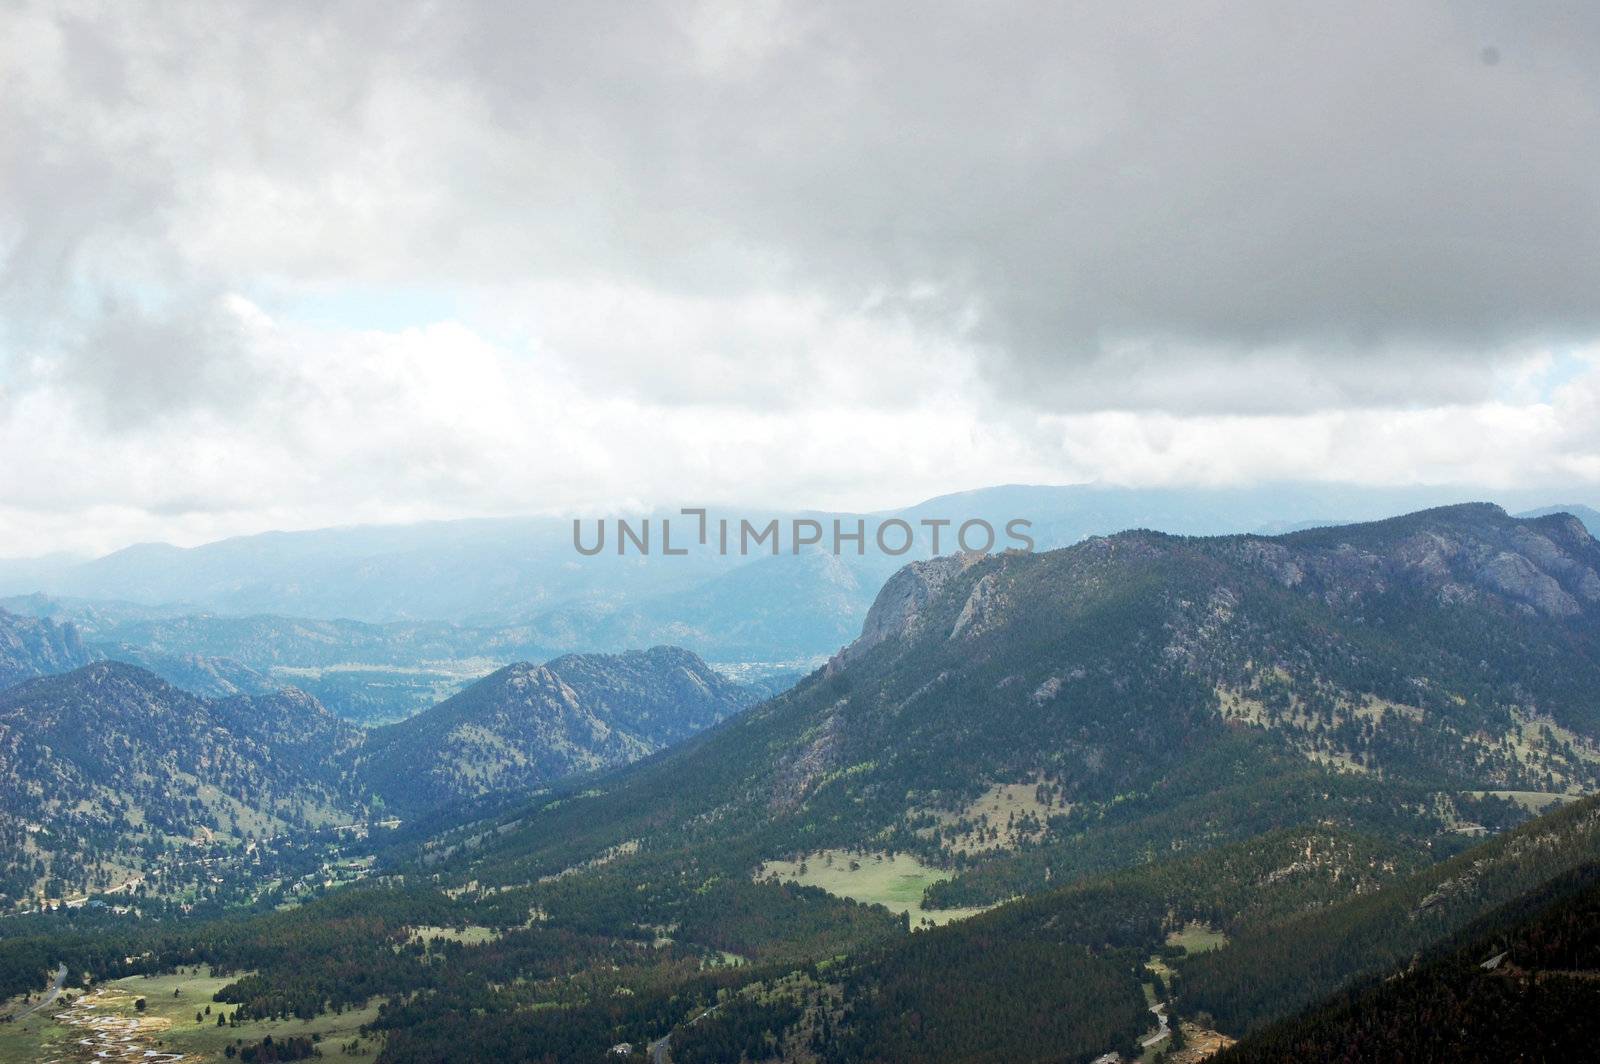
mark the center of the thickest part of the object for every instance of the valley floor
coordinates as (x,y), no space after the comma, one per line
(105,1023)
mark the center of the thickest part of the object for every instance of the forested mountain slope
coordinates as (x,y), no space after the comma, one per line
(1521,983)
(1144,690)
(105,768)
(1275,967)
(529,725)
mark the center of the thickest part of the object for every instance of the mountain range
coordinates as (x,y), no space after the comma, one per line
(1146,793)
(108,767)
(380,623)
(1126,679)
(520,580)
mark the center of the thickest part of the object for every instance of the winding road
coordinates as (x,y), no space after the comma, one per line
(661,1048)
(1161,1018)
(55,992)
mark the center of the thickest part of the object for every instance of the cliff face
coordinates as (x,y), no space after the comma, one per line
(1547,566)
(898,610)
(31,646)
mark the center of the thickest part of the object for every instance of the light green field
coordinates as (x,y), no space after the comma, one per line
(166,1025)
(894,882)
(1197,938)
(1194,938)
(1532,801)
(471,935)
(24,1040)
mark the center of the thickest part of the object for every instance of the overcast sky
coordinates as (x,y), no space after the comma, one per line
(286,265)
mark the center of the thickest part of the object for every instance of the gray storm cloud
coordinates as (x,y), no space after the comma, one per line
(1359,204)
(1094,186)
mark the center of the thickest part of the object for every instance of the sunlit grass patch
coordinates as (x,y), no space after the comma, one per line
(894,881)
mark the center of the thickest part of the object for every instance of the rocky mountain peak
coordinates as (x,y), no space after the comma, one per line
(36,646)
(898,608)
(1546,566)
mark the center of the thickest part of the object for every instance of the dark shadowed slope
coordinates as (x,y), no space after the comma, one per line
(1520,983)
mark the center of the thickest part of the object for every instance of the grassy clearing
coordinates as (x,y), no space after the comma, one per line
(895,882)
(1200,1043)
(26,1038)
(1336,761)
(1002,818)
(1373,708)
(1539,743)
(1197,938)
(108,1017)
(471,935)
(1533,801)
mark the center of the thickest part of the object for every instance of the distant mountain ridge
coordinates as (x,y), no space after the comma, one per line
(524,573)
(31,646)
(1587,514)
(527,725)
(112,761)
(39,646)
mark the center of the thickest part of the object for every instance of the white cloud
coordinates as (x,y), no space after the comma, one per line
(343,426)
(289,265)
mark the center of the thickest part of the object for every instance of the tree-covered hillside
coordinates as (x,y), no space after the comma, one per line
(105,770)
(527,726)
(1313,750)
(1520,983)
(111,775)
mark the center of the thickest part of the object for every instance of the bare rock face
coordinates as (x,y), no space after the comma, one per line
(1545,566)
(897,610)
(1516,577)
(976,611)
(1428,553)
(1275,559)
(31,646)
